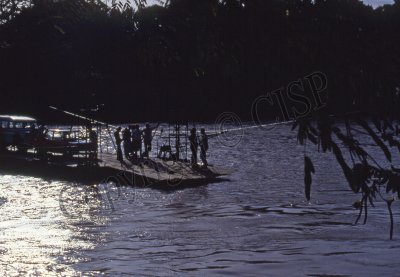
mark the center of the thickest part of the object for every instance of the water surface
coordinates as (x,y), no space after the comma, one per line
(258,223)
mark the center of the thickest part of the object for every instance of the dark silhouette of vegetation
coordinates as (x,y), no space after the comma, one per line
(154,62)
(354,143)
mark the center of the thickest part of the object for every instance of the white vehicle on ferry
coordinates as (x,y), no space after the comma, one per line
(16,130)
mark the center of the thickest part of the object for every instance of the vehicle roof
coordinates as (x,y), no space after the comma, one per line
(63,130)
(17,118)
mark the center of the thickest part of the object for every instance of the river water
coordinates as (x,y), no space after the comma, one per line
(257,223)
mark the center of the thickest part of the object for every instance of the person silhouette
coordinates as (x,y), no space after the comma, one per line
(194,144)
(203,142)
(118,141)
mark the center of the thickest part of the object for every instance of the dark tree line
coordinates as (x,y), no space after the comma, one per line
(192,58)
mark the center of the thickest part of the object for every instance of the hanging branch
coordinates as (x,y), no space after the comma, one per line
(361,210)
(389,205)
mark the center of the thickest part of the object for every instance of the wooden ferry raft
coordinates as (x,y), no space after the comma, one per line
(153,172)
(167,174)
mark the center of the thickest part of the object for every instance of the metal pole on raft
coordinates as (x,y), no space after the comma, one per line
(91,120)
(186,141)
(177,141)
(157,143)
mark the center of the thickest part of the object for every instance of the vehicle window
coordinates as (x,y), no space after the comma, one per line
(57,135)
(19,125)
(11,124)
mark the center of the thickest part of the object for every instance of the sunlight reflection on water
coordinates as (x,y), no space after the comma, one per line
(35,234)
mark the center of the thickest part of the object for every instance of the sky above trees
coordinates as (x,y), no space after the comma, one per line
(374,3)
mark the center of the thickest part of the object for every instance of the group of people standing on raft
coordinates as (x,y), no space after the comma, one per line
(132,138)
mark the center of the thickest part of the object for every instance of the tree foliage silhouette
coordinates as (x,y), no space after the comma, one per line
(370,173)
(215,54)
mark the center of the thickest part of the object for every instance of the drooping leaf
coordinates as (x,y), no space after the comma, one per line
(346,169)
(351,143)
(324,126)
(295,124)
(303,130)
(308,169)
(387,124)
(377,124)
(313,130)
(397,131)
(309,164)
(312,138)
(371,201)
(393,183)
(361,174)
(376,139)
